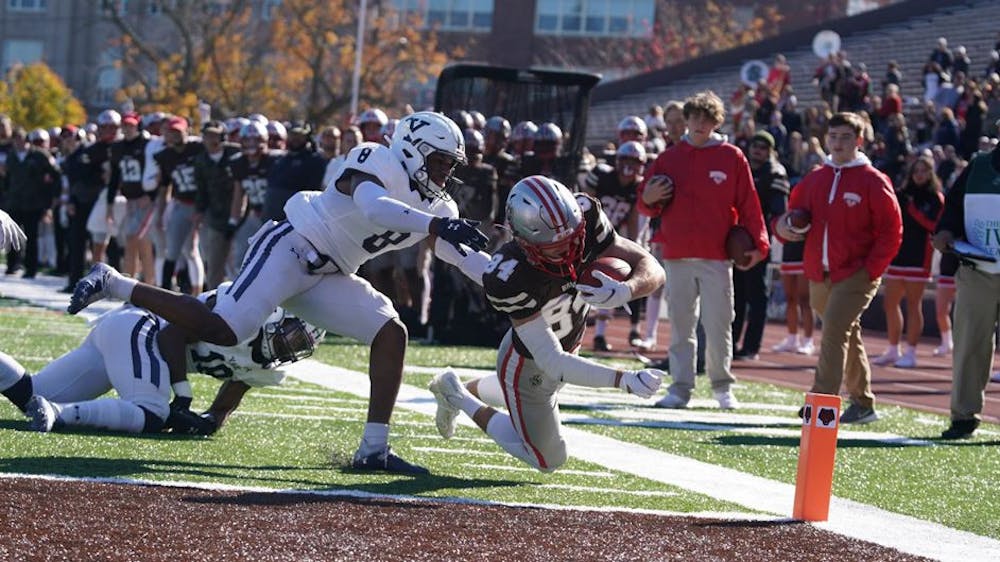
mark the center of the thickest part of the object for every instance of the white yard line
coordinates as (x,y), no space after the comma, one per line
(847,517)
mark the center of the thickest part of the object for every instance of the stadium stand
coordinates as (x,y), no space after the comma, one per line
(904,32)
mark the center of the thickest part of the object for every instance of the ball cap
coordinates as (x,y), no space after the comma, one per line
(177,123)
(764,137)
(130,119)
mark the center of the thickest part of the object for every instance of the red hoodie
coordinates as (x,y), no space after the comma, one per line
(713,190)
(856,222)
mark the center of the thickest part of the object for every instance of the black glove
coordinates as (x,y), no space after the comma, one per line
(183,420)
(460,231)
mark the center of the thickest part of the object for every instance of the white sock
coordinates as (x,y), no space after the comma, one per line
(909,349)
(489,391)
(103,413)
(653,305)
(375,439)
(10,371)
(599,326)
(946,339)
(121,287)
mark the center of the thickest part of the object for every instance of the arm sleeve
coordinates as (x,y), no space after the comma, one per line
(377,206)
(549,355)
(473,264)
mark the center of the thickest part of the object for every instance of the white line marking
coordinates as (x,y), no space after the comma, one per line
(511,468)
(611,491)
(447,451)
(214,487)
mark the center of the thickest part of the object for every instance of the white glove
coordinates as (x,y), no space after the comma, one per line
(611,293)
(642,383)
(11,235)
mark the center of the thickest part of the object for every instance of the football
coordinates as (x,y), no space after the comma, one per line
(799,219)
(615,268)
(738,243)
(669,196)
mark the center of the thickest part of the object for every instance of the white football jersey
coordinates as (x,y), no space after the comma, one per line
(336,227)
(234,363)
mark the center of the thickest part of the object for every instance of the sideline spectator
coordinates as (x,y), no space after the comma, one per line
(705,179)
(31,185)
(750,286)
(213,175)
(941,56)
(300,169)
(921,201)
(971,203)
(855,231)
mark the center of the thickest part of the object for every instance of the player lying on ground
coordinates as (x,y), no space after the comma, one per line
(123,352)
(532,278)
(383,199)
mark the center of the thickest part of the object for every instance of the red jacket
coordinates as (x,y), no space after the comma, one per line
(713,190)
(856,222)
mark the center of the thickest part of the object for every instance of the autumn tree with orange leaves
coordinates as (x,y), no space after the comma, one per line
(682,31)
(293,62)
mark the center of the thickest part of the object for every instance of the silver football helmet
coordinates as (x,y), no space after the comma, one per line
(547,223)
(285,339)
(632,124)
(430,146)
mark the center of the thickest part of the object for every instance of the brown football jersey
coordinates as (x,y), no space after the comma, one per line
(517,288)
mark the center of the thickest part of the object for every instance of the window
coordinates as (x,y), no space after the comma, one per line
(27,5)
(21,51)
(450,15)
(630,18)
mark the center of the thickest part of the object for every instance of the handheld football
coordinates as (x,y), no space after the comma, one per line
(799,219)
(738,243)
(668,197)
(615,268)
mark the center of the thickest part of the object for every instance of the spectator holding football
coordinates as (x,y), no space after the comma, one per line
(700,188)
(853,231)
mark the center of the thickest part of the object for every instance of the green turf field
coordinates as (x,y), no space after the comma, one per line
(300,436)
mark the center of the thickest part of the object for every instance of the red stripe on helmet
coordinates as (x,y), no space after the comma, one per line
(549,201)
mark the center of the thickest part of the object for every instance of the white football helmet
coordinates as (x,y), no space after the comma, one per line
(430,146)
(283,339)
(547,223)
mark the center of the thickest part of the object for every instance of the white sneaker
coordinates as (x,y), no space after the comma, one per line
(648,344)
(889,357)
(807,348)
(907,361)
(92,288)
(671,401)
(42,413)
(790,344)
(727,400)
(447,390)
(942,350)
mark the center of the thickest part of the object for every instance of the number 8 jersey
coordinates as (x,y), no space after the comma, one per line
(332,222)
(517,288)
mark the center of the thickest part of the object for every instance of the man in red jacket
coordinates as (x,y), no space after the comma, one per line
(700,188)
(855,231)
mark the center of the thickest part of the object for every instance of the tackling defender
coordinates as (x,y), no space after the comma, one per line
(532,278)
(383,199)
(67,391)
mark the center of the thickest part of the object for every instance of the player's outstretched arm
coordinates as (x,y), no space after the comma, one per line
(11,235)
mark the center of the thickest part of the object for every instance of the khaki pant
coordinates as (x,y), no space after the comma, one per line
(706,285)
(842,355)
(977,311)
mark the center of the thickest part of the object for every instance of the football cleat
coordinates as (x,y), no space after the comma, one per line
(92,288)
(447,390)
(386,461)
(44,416)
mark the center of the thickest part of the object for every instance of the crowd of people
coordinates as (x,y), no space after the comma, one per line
(852,189)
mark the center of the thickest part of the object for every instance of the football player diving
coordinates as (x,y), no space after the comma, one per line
(384,198)
(532,279)
(67,391)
